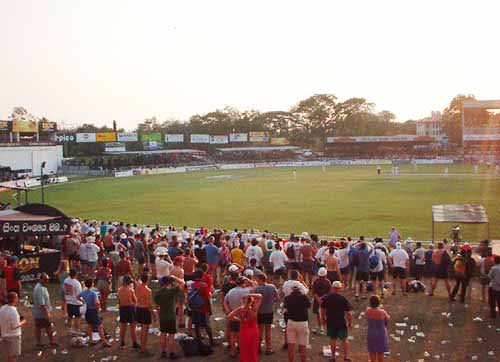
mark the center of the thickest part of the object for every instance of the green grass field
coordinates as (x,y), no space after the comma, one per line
(342,201)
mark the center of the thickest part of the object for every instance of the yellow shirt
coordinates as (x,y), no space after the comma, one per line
(238,256)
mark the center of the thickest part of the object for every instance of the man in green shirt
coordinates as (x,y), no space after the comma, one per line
(166,299)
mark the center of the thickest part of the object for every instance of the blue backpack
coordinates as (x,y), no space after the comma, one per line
(373,259)
(195,300)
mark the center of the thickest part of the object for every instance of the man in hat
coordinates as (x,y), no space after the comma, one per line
(320,288)
(297,326)
(336,309)
(399,262)
(163,262)
(166,299)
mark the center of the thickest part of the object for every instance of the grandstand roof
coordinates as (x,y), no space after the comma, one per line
(258,149)
(155,152)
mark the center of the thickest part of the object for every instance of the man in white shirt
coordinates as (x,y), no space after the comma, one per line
(82,253)
(163,265)
(399,261)
(73,288)
(254,252)
(10,328)
(377,273)
(278,260)
(185,235)
(92,253)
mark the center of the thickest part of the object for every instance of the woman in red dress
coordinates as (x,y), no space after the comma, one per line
(249,330)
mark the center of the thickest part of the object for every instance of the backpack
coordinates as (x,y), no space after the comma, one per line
(373,261)
(354,256)
(290,252)
(195,300)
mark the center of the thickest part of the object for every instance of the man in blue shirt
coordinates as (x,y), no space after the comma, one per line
(213,258)
(94,321)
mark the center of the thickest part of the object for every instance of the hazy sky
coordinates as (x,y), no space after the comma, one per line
(95,61)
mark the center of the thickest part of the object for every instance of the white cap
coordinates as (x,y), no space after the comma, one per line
(123,236)
(322,272)
(233,268)
(337,285)
(248,273)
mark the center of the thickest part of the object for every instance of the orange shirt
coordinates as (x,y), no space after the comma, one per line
(126,296)
(144,297)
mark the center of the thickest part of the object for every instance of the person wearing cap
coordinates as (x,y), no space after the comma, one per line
(377,273)
(321,287)
(232,301)
(127,302)
(337,315)
(92,253)
(166,301)
(297,307)
(265,315)
(399,261)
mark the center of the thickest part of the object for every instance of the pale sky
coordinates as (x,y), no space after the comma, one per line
(95,61)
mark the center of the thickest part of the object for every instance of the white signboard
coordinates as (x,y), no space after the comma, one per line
(200,138)
(127,137)
(174,138)
(398,138)
(482,137)
(218,140)
(238,137)
(85,137)
(124,173)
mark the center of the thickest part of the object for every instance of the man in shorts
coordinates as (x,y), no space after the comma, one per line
(399,262)
(73,288)
(297,328)
(127,301)
(94,321)
(278,260)
(377,274)
(362,271)
(336,309)
(441,260)
(144,312)
(265,315)
(320,288)
(41,311)
(10,328)
(166,300)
